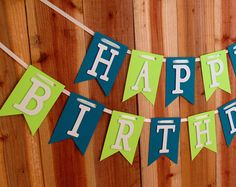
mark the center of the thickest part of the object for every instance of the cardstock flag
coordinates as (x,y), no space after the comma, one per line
(102,61)
(143,75)
(180,78)
(228,120)
(78,121)
(232,54)
(164,139)
(122,136)
(202,132)
(215,72)
(33,96)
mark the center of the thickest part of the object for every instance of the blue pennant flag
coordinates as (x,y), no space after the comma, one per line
(232,55)
(228,120)
(180,78)
(102,61)
(164,139)
(78,121)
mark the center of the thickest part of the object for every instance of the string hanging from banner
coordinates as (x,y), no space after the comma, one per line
(84,27)
(65,91)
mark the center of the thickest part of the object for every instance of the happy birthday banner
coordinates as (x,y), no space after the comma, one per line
(36,93)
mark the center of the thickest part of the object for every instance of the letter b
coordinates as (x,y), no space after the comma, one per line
(32,95)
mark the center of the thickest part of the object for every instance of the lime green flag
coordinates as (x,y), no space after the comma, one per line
(202,132)
(215,72)
(33,96)
(143,75)
(122,135)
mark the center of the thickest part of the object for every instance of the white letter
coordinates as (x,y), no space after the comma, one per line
(215,73)
(202,132)
(104,61)
(165,135)
(179,79)
(31,94)
(228,112)
(234,49)
(83,110)
(123,137)
(143,74)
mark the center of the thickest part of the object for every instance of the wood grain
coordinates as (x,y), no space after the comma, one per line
(115,19)
(196,16)
(48,41)
(22,164)
(226,36)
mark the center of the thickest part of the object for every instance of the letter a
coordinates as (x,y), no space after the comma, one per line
(143,74)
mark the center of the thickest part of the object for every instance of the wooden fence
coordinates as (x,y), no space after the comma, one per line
(45,39)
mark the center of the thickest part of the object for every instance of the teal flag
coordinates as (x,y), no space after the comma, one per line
(102,62)
(232,54)
(180,78)
(164,139)
(78,121)
(227,115)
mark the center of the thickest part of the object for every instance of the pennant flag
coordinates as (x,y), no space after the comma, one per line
(122,136)
(78,121)
(164,139)
(215,72)
(102,61)
(143,75)
(202,132)
(232,55)
(228,120)
(180,78)
(33,96)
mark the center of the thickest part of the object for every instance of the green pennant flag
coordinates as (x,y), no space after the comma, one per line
(122,135)
(143,75)
(202,132)
(215,72)
(33,96)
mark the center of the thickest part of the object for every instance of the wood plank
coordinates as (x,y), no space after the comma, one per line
(52,32)
(168,172)
(155,31)
(54,49)
(22,163)
(115,19)
(196,16)
(187,43)
(143,41)
(225,170)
